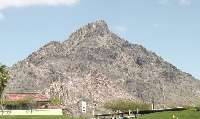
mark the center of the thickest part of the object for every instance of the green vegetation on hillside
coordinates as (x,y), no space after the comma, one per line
(187,114)
(126,105)
(56,101)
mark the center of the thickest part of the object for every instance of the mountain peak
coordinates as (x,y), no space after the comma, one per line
(97,28)
(97,66)
(101,24)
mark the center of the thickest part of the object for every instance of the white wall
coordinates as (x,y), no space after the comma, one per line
(34,112)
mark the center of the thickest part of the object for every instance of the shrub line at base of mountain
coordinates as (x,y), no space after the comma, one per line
(126,105)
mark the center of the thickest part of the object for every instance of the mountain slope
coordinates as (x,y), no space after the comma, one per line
(96,65)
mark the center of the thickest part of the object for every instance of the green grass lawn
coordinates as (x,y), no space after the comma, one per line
(35,117)
(187,114)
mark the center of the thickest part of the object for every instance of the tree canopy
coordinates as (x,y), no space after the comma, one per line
(4,76)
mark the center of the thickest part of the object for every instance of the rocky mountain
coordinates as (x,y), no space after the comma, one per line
(95,65)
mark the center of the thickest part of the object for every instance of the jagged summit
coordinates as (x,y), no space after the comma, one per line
(97,28)
(96,65)
(99,24)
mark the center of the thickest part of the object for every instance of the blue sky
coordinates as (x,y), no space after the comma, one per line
(171,28)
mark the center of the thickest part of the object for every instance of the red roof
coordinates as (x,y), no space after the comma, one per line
(23,96)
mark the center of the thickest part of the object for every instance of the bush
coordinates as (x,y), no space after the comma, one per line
(188,107)
(126,105)
(55,101)
(197,108)
(25,103)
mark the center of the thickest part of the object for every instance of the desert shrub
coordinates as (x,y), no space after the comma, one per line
(24,104)
(188,107)
(126,105)
(55,101)
(197,108)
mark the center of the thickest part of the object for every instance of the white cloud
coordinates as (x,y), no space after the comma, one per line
(178,2)
(2,17)
(4,4)
(184,2)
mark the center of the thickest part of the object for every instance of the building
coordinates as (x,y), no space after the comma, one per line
(26,101)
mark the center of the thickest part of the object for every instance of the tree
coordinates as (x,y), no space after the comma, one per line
(4,76)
